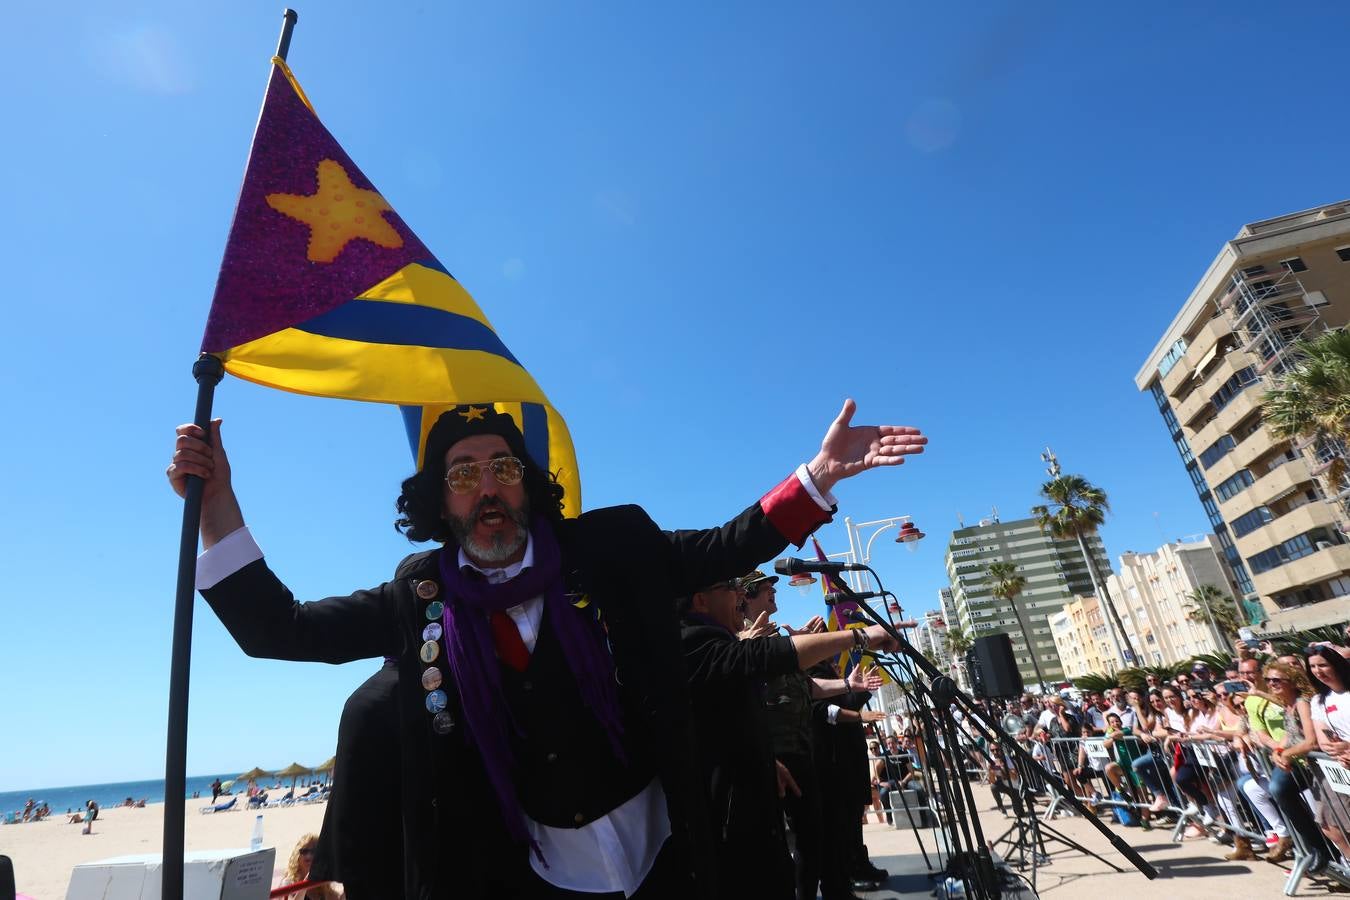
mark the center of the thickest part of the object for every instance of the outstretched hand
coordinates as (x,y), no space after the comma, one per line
(848,449)
(865,678)
(761,627)
(815,626)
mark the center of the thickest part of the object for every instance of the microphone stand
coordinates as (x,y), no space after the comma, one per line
(978,870)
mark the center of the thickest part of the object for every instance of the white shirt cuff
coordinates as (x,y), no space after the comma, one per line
(826,500)
(230,554)
(832,714)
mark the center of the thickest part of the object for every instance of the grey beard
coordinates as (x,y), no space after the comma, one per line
(501,547)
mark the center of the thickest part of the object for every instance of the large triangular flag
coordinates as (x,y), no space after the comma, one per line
(324,290)
(840,615)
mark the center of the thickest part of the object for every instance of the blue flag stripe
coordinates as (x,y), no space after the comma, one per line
(536,432)
(377,322)
(412,424)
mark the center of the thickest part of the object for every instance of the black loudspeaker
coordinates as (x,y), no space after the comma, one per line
(998,666)
(976,674)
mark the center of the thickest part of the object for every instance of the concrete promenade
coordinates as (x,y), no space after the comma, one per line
(1192,870)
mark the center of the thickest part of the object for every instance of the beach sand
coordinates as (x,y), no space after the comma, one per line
(45,852)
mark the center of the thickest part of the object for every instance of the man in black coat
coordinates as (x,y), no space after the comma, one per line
(742,780)
(362,833)
(542,707)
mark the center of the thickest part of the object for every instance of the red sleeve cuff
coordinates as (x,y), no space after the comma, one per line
(791,510)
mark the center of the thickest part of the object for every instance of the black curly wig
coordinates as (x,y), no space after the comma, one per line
(421,505)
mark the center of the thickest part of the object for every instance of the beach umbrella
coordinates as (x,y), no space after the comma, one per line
(293,771)
(253,774)
(226,785)
(328,766)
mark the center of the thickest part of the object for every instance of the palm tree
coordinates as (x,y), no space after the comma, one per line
(958,641)
(1312,400)
(1076,509)
(1212,606)
(1007,585)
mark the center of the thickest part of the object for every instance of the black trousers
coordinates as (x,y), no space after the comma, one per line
(805,816)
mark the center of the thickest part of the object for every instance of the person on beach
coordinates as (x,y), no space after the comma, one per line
(543,707)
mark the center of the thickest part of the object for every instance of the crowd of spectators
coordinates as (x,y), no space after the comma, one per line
(1252,757)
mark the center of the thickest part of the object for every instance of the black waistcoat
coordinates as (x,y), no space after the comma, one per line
(567,773)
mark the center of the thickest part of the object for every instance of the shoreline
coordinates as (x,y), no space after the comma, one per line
(44,853)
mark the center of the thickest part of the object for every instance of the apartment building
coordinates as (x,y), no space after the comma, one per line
(1280,529)
(1151,593)
(1081,638)
(1055,572)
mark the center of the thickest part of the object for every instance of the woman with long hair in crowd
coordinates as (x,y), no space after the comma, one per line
(1287,686)
(1229,726)
(297,872)
(1152,765)
(1331,720)
(1202,724)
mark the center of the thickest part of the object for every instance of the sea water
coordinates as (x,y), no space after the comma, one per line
(73,797)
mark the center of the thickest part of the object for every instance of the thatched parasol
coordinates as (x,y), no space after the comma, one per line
(294,771)
(328,766)
(253,774)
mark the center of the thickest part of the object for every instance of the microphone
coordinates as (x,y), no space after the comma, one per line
(840,597)
(792,566)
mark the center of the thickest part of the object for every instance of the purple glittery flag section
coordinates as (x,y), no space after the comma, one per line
(266,281)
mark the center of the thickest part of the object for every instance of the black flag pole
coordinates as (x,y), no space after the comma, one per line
(207,370)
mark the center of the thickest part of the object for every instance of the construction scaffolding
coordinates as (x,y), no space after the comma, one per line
(1270,312)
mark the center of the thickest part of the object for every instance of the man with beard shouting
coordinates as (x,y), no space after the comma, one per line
(542,705)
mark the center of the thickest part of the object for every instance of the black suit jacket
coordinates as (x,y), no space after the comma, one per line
(455,841)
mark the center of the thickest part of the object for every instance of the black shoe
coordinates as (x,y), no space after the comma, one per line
(865,884)
(874,871)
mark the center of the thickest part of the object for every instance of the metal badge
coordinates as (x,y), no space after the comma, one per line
(442,722)
(432,678)
(432,632)
(428,590)
(430,650)
(434,610)
(436,701)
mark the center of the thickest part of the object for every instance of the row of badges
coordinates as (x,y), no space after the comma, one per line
(432,678)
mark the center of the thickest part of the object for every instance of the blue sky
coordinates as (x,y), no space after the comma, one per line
(700,227)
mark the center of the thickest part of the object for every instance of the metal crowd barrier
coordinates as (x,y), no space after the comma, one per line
(1210,792)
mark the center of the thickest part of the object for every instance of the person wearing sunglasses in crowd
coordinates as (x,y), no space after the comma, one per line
(1294,739)
(1330,673)
(545,736)
(741,780)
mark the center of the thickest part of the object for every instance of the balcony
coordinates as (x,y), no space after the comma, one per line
(1241,406)
(1296,522)
(1209,335)
(1270,487)
(1189,410)
(1300,573)
(1257,445)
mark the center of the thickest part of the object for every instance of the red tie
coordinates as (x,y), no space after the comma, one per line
(510,648)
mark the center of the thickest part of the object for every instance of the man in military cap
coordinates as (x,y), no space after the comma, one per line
(542,705)
(741,779)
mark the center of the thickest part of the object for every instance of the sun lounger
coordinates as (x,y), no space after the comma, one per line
(221,807)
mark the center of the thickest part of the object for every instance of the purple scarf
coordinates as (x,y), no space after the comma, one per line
(472,656)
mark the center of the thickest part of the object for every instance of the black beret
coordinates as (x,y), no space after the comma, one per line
(469,421)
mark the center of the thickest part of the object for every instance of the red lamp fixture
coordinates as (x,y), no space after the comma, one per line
(909,533)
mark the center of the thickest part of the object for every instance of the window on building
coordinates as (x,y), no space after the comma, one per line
(1227,490)
(1254,270)
(1232,387)
(1293,264)
(1217,450)
(1248,522)
(1343,253)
